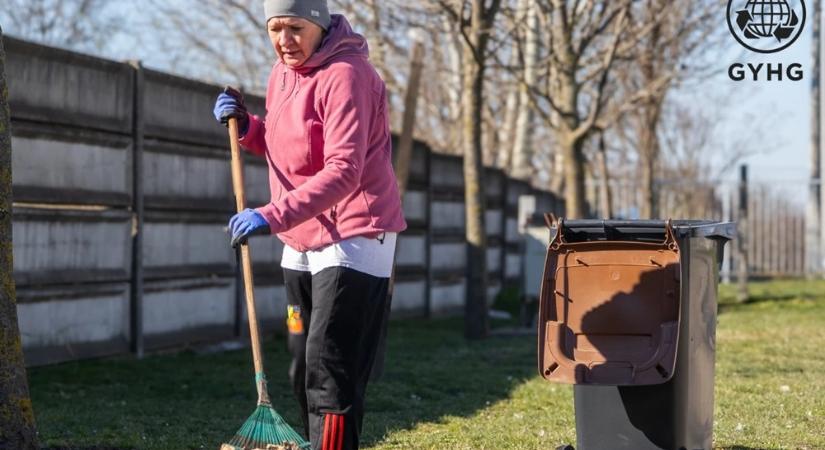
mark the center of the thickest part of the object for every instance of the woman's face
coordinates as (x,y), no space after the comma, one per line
(294,39)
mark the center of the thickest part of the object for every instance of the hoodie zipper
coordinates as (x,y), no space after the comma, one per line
(285,100)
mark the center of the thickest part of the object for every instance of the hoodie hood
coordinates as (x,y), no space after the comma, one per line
(340,41)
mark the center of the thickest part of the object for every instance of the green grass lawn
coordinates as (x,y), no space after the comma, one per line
(442,392)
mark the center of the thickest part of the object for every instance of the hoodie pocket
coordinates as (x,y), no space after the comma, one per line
(315,142)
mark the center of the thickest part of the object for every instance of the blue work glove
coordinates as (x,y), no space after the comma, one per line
(230,104)
(247,223)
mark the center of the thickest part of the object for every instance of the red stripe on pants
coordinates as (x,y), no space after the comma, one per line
(340,433)
(326,436)
(334,436)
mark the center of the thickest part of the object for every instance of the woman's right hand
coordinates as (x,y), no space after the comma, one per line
(230,104)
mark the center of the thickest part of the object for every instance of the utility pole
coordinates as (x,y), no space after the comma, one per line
(742,236)
(813,224)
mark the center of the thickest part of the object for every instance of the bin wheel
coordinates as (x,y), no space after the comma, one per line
(565,447)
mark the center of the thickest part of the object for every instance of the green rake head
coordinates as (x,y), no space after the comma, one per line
(266,430)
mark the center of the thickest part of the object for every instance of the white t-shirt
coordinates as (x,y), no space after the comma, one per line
(373,256)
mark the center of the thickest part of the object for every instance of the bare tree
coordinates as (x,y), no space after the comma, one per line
(18,429)
(522,160)
(79,24)
(697,160)
(441,99)
(476,33)
(475,20)
(405,144)
(605,196)
(599,61)
(667,54)
(583,42)
(214,40)
(507,129)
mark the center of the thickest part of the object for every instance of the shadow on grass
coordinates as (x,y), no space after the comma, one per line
(191,401)
(433,372)
(732,305)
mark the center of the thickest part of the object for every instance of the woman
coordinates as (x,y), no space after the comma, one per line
(335,204)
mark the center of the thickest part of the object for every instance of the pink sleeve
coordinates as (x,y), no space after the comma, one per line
(346,119)
(254,140)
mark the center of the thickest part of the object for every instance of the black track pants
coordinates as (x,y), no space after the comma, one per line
(342,311)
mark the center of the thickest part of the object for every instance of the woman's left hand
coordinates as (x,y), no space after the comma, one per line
(247,223)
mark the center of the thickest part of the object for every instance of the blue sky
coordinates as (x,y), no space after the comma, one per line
(786,103)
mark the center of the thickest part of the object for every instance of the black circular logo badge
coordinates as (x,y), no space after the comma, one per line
(766,26)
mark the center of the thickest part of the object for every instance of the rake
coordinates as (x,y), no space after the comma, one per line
(265,429)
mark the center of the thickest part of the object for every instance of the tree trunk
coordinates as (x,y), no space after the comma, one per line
(649,155)
(454,81)
(574,193)
(490,142)
(405,144)
(508,128)
(650,112)
(648,152)
(604,182)
(522,144)
(557,179)
(476,323)
(571,143)
(16,414)
(565,92)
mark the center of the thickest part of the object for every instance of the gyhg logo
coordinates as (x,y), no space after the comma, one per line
(766,26)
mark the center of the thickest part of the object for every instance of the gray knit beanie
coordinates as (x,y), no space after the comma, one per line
(315,11)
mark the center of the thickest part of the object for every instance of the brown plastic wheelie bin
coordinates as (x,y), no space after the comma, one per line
(628,316)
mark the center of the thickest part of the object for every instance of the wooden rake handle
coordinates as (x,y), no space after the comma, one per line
(246,262)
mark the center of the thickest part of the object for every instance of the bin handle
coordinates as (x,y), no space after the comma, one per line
(670,236)
(558,240)
(549,219)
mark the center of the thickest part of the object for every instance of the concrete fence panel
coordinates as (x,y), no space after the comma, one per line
(415,207)
(55,246)
(494,259)
(172,244)
(411,250)
(188,310)
(447,215)
(447,172)
(270,305)
(409,298)
(70,166)
(179,109)
(493,219)
(448,298)
(66,322)
(61,87)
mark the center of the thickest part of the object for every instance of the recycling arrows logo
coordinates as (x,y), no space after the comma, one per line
(745,22)
(766,26)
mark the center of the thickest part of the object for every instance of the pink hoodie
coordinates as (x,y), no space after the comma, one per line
(326,139)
